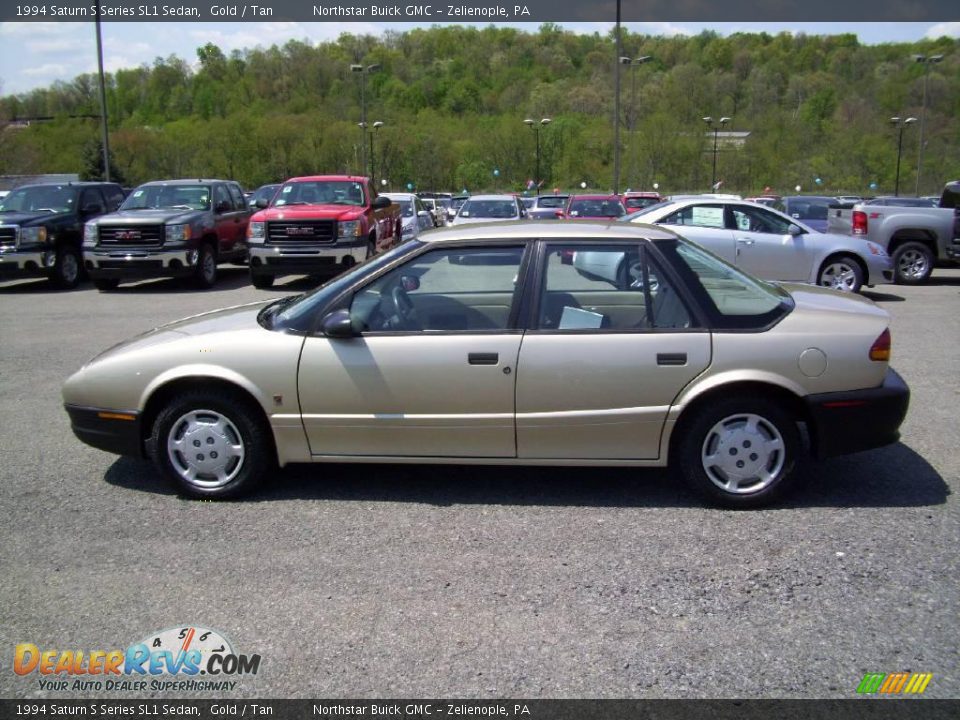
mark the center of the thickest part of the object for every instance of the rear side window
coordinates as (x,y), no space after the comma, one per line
(114,196)
(236,196)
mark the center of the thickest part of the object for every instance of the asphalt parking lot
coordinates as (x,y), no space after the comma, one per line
(449,581)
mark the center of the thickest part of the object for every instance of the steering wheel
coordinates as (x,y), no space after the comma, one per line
(403,310)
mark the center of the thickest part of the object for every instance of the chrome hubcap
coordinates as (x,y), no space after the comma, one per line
(209,266)
(839,276)
(69,267)
(743,454)
(205,449)
(912,264)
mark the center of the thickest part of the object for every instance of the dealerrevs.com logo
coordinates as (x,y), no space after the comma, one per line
(179,659)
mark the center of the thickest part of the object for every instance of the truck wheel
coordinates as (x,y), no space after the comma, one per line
(206,272)
(106,284)
(841,273)
(371,246)
(66,271)
(261,280)
(211,445)
(740,453)
(912,263)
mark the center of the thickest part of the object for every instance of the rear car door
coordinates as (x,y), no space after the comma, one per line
(612,343)
(705,224)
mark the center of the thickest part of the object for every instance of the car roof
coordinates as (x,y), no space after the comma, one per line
(492,197)
(528,230)
(329,178)
(595,197)
(186,181)
(73,183)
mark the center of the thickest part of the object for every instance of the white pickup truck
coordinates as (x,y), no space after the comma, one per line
(916,237)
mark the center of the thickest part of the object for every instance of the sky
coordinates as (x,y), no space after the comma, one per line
(37,54)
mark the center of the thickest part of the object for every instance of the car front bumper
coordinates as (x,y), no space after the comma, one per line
(848,422)
(285,260)
(139,263)
(115,431)
(879,270)
(29,262)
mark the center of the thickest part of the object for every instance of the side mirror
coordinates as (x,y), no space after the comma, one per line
(338,324)
(261,203)
(795,230)
(381,202)
(424,213)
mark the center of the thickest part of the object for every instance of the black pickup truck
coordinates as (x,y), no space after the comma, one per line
(170,228)
(41,228)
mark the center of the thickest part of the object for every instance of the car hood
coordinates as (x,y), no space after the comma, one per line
(150,216)
(310,212)
(23,218)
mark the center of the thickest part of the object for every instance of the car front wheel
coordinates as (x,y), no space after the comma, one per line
(205,276)
(841,273)
(740,453)
(211,445)
(66,270)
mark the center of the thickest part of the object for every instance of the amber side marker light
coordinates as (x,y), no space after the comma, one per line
(880,350)
(115,416)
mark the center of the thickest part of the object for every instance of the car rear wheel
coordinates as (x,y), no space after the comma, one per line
(211,445)
(261,280)
(740,453)
(66,270)
(841,273)
(106,284)
(912,263)
(206,273)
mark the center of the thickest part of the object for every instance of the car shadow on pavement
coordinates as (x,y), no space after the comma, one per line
(228,278)
(891,477)
(33,285)
(881,296)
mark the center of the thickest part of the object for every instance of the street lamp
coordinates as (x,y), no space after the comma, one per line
(927,62)
(715,126)
(632,125)
(364,70)
(104,130)
(616,108)
(900,124)
(370,131)
(535,126)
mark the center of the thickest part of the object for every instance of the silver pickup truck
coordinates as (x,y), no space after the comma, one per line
(916,237)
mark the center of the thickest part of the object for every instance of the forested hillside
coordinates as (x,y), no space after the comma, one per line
(453,100)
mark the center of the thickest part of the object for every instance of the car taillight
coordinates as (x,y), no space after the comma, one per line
(859,222)
(880,350)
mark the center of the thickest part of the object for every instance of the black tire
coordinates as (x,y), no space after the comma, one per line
(214,477)
(841,272)
(371,246)
(68,268)
(721,430)
(261,280)
(912,263)
(205,276)
(106,284)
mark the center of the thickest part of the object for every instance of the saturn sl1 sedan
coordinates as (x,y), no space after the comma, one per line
(537,343)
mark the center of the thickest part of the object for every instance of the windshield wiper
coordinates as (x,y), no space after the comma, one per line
(273,309)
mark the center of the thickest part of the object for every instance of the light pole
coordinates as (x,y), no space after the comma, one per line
(900,124)
(105,132)
(370,131)
(927,61)
(535,126)
(633,63)
(715,126)
(616,109)
(364,70)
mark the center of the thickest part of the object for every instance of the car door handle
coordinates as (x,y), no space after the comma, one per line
(483,358)
(745,242)
(671,358)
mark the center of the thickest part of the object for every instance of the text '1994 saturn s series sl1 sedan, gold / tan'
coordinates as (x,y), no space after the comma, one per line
(538,343)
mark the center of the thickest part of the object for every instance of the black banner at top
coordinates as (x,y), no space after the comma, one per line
(482,11)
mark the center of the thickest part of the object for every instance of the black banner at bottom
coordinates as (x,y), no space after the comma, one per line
(854,709)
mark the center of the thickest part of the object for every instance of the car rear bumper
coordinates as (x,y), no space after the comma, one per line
(116,431)
(848,422)
(139,263)
(283,260)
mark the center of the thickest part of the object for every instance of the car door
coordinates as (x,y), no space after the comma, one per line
(611,344)
(765,246)
(431,372)
(705,224)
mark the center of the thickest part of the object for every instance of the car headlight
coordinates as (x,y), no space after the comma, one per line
(177,233)
(89,235)
(348,229)
(33,235)
(256,232)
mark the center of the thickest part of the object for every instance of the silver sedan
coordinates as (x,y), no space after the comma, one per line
(509,343)
(772,245)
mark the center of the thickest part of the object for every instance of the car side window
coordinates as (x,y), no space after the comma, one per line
(220,196)
(749,219)
(91,196)
(710,216)
(114,195)
(236,196)
(450,289)
(607,288)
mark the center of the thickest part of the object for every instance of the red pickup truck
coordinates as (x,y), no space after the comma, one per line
(320,225)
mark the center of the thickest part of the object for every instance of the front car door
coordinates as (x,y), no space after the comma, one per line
(765,246)
(431,372)
(612,343)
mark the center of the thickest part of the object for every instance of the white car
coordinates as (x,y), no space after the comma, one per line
(489,208)
(416,218)
(772,245)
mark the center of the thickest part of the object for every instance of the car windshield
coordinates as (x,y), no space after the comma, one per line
(320,192)
(809,208)
(298,313)
(596,208)
(52,198)
(552,201)
(638,203)
(188,197)
(501,209)
(406,207)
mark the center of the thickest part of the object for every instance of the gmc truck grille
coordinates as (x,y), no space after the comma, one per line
(131,235)
(301,232)
(8,236)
